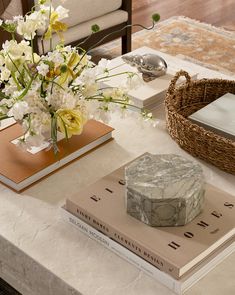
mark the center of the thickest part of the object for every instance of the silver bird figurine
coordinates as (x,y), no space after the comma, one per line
(151,65)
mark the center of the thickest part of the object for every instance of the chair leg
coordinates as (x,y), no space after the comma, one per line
(126,41)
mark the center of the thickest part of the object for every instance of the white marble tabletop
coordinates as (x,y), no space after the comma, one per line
(40,254)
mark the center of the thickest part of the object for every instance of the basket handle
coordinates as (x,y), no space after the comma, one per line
(179,74)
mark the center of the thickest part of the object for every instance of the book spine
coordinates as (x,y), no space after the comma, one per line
(127,242)
(143,265)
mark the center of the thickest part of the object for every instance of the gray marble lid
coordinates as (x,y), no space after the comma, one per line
(164,176)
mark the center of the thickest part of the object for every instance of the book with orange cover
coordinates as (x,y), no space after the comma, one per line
(174,250)
(19,169)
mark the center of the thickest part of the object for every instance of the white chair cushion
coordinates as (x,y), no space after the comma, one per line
(84,10)
(13,9)
(79,10)
(83,30)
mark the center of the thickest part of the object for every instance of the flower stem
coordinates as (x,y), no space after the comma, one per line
(49,23)
(114,75)
(16,82)
(26,89)
(116,101)
(117,31)
(31,43)
(3,117)
(17,69)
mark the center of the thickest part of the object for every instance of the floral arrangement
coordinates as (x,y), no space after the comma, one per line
(59,90)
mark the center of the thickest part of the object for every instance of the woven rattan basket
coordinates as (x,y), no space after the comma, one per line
(181,101)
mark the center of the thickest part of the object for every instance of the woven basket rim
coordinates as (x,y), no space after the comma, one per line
(193,83)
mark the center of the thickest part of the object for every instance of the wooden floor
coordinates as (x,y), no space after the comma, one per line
(215,12)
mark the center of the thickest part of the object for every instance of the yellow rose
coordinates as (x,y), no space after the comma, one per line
(70,122)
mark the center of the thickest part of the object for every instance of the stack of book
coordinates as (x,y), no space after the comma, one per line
(176,256)
(148,95)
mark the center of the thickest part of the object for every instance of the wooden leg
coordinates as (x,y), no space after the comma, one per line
(4,36)
(126,41)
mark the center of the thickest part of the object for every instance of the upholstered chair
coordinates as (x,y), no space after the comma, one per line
(111,16)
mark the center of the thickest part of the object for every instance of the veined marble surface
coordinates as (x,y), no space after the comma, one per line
(164,189)
(42,255)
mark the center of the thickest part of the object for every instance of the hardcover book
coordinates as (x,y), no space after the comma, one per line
(218,116)
(19,169)
(178,286)
(6,123)
(174,250)
(149,94)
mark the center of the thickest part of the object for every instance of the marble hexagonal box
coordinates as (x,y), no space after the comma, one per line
(164,190)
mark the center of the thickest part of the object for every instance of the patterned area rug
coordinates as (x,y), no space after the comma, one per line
(136,4)
(198,42)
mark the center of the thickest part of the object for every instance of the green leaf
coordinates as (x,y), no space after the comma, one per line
(65,127)
(2,117)
(2,95)
(63,68)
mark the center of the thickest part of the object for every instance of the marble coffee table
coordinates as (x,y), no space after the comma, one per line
(40,254)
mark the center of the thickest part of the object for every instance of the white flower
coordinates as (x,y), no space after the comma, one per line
(116,93)
(10,88)
(88,76)
(2,60)
(27,29)
(1,22)
(67,48)
(6,102)
(102,66)
(60,99)
(55,57)
(89,90)
(18,110)
(88,82)
(17,50)
(40,122)
(18,18)
(35,102)
(43,69)
(5,74)
(62,12)
(133,81)
(9,22)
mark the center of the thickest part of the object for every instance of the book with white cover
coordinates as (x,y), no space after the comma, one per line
(176,250)
(149,94)
(177,286)
(218,116)
(6,123)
